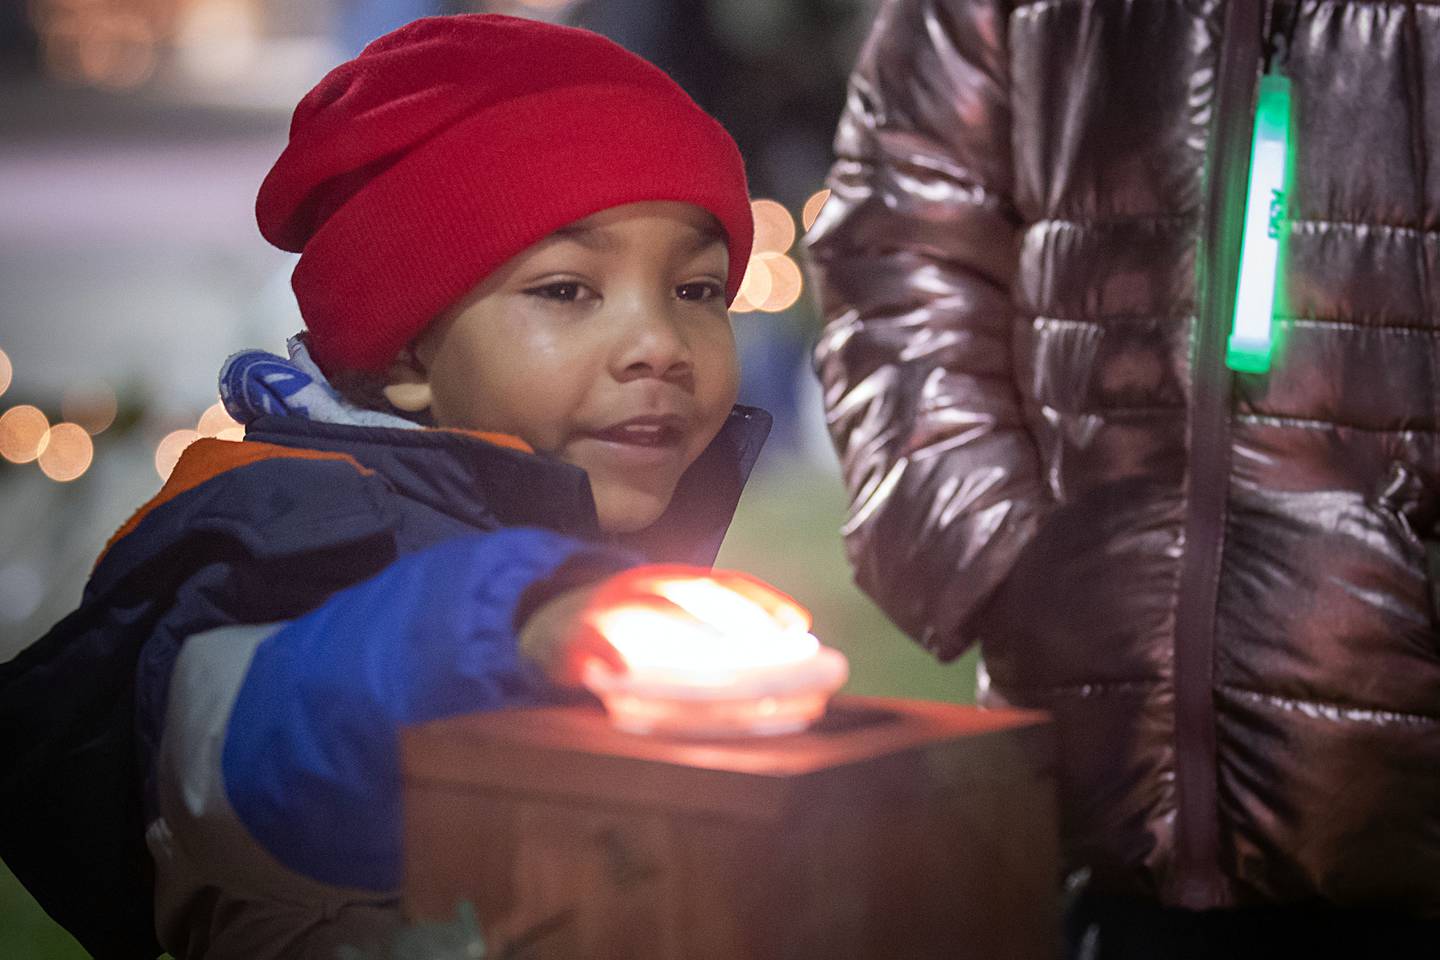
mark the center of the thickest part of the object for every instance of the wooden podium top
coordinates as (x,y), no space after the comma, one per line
(573,751)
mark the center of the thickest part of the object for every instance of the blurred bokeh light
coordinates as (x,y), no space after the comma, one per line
(167,452)
(66,452)
(786,282)
(92,407)
(215,421)
(774,227)
(22,429)
(754,288)
(811,211)
(100,43)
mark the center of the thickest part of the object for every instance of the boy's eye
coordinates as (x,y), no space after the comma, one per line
(701,290)
(562,290)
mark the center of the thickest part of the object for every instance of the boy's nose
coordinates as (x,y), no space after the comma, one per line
(653,344)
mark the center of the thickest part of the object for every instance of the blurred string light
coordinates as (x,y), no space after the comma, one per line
(167,454)
(774,228)
(22,430)
(786,282)
(214,422)
(100,42)
(66,452)
(754,288)
(6,372)
(773,281)
(93,407)
(218,40)
(811,211)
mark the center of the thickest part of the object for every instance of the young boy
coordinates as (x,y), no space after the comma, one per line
(518,242)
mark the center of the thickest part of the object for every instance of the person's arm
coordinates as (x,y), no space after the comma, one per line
(310,755)
(914,254)
(277,780)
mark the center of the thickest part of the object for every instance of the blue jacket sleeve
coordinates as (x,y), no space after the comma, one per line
(310,760)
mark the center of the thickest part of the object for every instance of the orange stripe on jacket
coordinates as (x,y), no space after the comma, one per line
(499,439)
(208,458)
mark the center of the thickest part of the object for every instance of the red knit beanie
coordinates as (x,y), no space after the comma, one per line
(452,144)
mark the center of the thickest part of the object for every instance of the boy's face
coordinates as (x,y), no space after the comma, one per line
(607,344)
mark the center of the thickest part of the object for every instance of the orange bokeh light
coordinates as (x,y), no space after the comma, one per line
(167,453)
(754,288)
(774,227)
(786,282)
(22,431)
(92,407)
(98,44)
(215,421)
(811,211)
(66,452)
(217,40)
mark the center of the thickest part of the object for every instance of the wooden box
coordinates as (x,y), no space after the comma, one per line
(892,829)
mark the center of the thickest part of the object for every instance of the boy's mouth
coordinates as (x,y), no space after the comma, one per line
(648,431)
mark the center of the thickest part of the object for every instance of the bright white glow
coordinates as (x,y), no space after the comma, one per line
(1257,273)
(659,645)
(727,609)
(1250,335)
(718,655)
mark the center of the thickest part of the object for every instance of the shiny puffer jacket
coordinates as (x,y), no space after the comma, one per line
(1220,584)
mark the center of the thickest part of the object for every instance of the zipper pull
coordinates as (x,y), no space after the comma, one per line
(1252,340)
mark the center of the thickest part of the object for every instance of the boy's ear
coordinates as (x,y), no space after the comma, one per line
(407,383)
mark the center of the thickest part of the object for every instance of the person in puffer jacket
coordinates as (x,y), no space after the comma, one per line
(1221,584)
(517,245)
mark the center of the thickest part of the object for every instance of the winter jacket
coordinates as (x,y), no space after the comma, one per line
(1220,584)
(239,659)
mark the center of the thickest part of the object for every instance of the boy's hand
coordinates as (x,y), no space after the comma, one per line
(558,637)
(566,633)
(663,587)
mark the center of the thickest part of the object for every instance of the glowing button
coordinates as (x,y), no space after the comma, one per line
(710,654)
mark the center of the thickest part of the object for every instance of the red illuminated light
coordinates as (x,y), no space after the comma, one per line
(710,654)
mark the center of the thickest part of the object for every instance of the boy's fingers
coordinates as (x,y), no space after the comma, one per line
(592,646)
(643,601)
(645,587)
(780,606)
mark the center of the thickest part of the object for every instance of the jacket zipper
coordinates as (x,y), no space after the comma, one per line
(1197,870)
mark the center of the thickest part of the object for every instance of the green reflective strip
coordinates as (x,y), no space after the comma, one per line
(1251,337)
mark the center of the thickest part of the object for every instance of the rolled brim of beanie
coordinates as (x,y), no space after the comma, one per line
(420,236)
